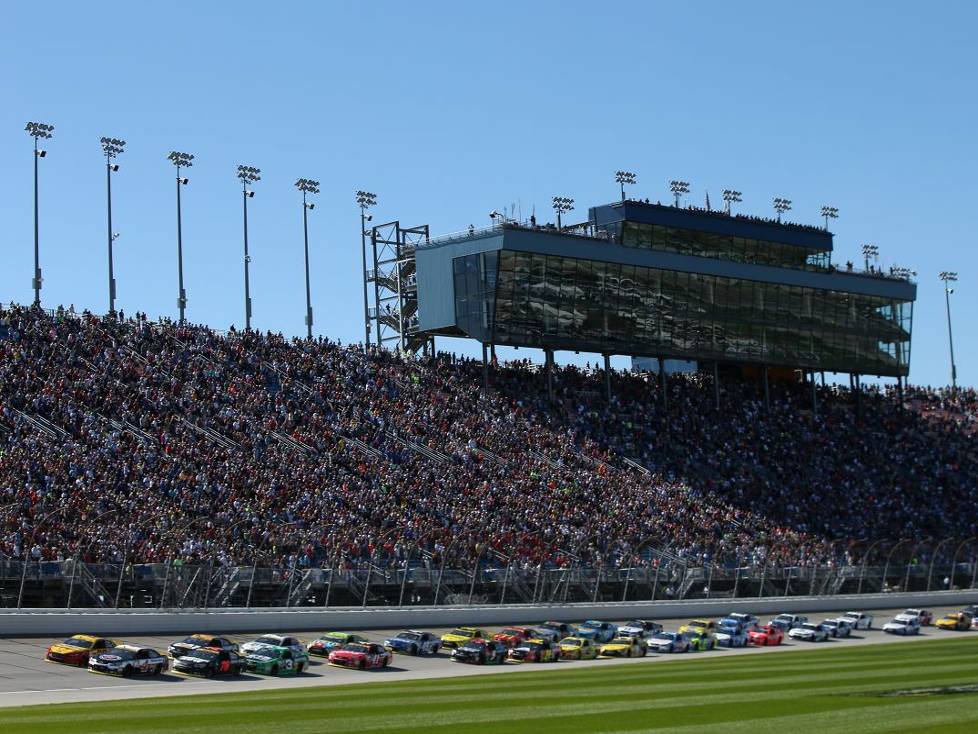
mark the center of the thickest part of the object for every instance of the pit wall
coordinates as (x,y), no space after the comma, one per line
(48,622)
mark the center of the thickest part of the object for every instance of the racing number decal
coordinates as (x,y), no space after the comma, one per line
(225,666)
(288,664)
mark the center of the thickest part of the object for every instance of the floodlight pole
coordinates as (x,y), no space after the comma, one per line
(181,295)
(946,277)
(305,235)
(247,259)
(363,270)
(108,189)
(37,249)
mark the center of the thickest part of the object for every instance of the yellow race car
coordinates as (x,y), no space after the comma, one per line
(954,621)
(578,648)
(460,635)
(623,647)
(698,625)
(78,649)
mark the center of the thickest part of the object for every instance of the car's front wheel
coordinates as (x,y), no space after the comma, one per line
(274,670)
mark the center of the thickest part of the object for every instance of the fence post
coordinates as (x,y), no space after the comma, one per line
(407,567)
(655,581)
(166,580)
(787,581)
(760,591)
(71,584)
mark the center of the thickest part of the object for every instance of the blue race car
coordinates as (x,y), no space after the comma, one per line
(731,633)
(598,631)
(413,642)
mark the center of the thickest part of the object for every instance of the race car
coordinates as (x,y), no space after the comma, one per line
(481,652)
(859,620)
(765,636)
(837,627)
(361,655)
(209,662)
(704,625)
(277,660)
(623,647)
(748,621)
(641,628)
(578,648)
(513,636)
(905,626)
(669,642)
(77,650)
(412,642)
(323,646)
(293,643)
(787,621)
(555,631)
(954,621)
(535,651)
(178,649)
(701,640)
(596,630)
(460,635)
(126,660)
(809,632)
(922,616)
(731,633)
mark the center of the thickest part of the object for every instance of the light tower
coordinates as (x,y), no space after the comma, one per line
(624,177)
(37,130)
(679,189)
(868,252)
(247,175)
(562,205)
(729,196)
(948,278)
(307,186)
(829,212)
(112,147)
(180,160)
(781,206)
(365,200)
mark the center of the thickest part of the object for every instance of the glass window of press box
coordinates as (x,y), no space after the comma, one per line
(718,246)
(535,300)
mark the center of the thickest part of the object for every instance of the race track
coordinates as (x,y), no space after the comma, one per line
(27,679)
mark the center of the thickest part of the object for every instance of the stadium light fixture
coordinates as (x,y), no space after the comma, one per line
(365,200)
(950,277)
(562,205)
(730,196)
(111,147)
(247,175)
(781,206)
(307,186)
(180,160)
(38,131)
(624,177)
(870,251)
(829,212)
(679,189)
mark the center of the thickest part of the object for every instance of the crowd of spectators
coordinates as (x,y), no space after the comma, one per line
(123,438)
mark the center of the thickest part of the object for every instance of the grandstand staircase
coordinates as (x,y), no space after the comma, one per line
(491,456)
(436,456)
(363,447)
(640,468)
(544,459)
(213,436)
(293,444)
(229,585)
(92,586)
(42,424)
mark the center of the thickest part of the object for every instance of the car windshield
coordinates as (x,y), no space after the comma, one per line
(267,650)
(573,642)
(635,623)
(196,639)
(809,626)
(78,642)
(474,646)
(590,624)
(409,636)
(621,641)
(462,631)
(356,647)
(122,653)
(549,626)
(666,636)
(533,646)
(511,631)
(269,640)
(205,654)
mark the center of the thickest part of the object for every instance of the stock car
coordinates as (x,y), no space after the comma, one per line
(904,626)
(701,640)
(596,630)
(837,627)
(513,636)
(361,655)
(209,662)
(323,646)
(293,643)
(78,649)
(765,636)
(809,632)
(859,620)
(623,647)
(179,649)
(555,631)
(413,642)
(922,616)
(641,628)
(277,660)
(460,635)
(535,651)
(731,633)
(954,621)
(578,648)
(786,622)
(704,625)
(481,652)
(126,660)
(669,642)
(749,621)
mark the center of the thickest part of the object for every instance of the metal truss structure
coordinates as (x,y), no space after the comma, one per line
(394,277)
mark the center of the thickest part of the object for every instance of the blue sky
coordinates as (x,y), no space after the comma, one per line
(448,110)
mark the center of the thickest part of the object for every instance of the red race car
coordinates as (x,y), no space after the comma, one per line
(766,635)
(361,655)
(513,636)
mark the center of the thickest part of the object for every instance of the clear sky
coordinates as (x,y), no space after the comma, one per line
(448,109)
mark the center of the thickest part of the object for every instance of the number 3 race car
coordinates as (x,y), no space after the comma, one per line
(276,660)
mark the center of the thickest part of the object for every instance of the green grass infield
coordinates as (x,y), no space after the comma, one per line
(929,686)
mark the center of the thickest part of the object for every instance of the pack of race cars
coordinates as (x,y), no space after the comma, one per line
(284,655)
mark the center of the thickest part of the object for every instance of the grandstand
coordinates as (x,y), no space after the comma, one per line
(162,464)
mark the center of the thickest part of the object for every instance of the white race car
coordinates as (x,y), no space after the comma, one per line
(809,632)
(921,616)
(859,620)
(902,626)
(837,627)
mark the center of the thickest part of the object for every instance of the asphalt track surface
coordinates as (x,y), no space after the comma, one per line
(27,679)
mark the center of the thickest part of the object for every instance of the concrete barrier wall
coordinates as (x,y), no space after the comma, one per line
(42,622)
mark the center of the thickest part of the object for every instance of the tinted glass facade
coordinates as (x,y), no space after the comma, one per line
(557,302)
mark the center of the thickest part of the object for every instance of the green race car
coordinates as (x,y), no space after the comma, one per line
(701,640)
(279,661)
